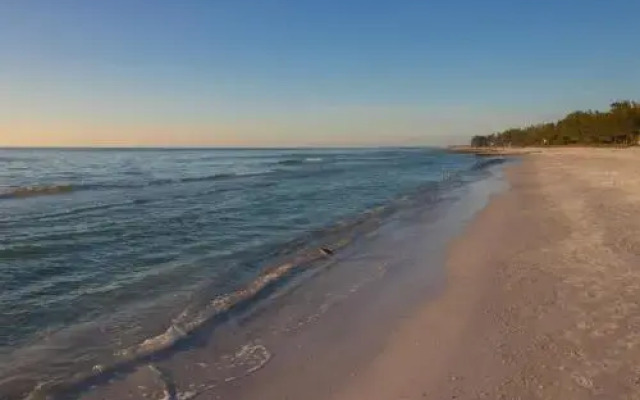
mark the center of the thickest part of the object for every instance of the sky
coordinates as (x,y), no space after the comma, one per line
(305,73)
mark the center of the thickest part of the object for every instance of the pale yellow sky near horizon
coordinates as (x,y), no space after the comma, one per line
(355,126)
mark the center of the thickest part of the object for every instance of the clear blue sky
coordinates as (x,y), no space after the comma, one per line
(126,72)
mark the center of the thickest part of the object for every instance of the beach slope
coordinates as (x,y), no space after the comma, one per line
(542,298)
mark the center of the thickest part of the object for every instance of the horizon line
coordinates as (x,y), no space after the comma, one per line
(328,147)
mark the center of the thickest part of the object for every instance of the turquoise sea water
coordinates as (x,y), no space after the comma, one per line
(111,255)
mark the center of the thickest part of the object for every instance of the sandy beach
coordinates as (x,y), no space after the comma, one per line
(542,294)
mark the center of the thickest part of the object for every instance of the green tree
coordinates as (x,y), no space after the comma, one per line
(620,125)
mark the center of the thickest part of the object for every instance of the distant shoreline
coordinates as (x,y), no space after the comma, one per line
(519,151)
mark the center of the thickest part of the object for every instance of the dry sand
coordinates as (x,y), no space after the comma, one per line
(543,299)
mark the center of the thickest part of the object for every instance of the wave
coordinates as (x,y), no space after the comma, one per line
(215,177)
(485,163)
(298,161)
(206,178)
(9,159)
(55,189)
(20,192)
(182,327)
(190,320)
(32,191)
(301,254)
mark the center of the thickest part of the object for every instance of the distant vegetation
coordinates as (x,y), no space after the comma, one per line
(618,126)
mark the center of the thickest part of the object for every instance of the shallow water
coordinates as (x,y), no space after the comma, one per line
(111,257)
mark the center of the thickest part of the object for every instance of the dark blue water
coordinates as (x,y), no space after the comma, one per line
(99,249)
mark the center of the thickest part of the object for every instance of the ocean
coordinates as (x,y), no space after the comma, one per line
(113,259)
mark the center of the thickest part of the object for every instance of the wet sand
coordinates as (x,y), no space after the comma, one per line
(543,293)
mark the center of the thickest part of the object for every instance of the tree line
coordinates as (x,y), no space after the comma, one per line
(620,125)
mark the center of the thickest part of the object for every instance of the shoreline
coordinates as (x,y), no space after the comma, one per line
(541,300)
(200,251)
(497,151)
(423,353)
(304,339)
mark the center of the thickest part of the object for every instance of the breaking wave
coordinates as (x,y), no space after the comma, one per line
(298,161)
(187,323)
(487,162)
(56,189)
(32,191)
(208,178)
